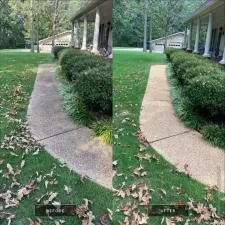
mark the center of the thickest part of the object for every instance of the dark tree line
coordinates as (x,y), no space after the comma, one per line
(164,17)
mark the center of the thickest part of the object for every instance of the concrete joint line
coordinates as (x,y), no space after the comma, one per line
(175,135)
(67,131)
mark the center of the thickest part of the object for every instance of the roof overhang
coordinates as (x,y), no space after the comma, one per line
(171,35)
(86,9)
(57,35)
(206,8)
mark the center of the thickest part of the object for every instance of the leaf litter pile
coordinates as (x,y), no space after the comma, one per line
(16,149)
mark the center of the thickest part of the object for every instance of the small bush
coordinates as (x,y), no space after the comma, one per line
(103,129)
(207,93)
(215,134)
(200,69)
(56,51)
(89,62)
(94,87)
(68,59)
(73,106)
(170,51)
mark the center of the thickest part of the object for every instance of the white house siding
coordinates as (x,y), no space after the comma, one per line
(62,39)
(174,41)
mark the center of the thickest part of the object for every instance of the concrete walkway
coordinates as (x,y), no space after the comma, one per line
(176,143)
(61,137)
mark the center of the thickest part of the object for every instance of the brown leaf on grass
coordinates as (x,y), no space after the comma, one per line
(22,192)
(52,196)
(128,208)
(141,138)
(22,164)
(1,161)
(139,171)
(120,193)
(163,191)
(10,218)
(186,168)
(110,213)
(10,169)
(59,222)
(67,189)
(169,222)
(37,221)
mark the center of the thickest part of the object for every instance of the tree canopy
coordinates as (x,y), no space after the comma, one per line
(15,19)
(164,17)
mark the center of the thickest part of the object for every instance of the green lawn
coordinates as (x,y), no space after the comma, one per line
(130,74)
(17,76)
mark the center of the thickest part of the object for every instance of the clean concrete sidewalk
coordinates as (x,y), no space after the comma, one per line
(61,137)
(168,136)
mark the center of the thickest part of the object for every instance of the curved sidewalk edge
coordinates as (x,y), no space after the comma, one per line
(66,141)
(179,145)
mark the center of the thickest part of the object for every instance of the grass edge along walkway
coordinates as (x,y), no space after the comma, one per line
(136,165)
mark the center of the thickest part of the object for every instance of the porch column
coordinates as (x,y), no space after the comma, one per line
(189,38)
(223,59)
(84,42)
(96,31)
(110,40)
(185,38)
(72,36)
(76,31)
(197,36)
(208,37)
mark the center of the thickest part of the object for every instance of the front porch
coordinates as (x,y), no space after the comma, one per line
(98,12)
(204,33)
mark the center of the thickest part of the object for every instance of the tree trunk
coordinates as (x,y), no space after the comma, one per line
(54,22)
(38,49)
(31,27)
(145,26)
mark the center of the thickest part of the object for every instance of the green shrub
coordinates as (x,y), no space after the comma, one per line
(201,69)
(56,51)
(177,61)
(89,62)
(170,51)
(94,87)
(73,106)
(207,93)
(103,129)
(215,134)
(67,60)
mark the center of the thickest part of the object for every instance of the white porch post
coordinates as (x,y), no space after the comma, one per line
(76,31)
(223,59)
(185,38)
(208,37)
(197,36)
(84,42)
(72,36)
(96,31)
(189,38)
(110,39)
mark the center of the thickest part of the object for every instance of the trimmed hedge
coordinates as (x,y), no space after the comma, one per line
(91,78)
(202,81)
(56,51)
(94,87)
(169,51)
(207,93)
